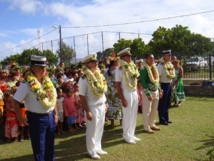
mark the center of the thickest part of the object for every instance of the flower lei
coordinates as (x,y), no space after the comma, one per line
(169,68)
(130,71)
(45,92)
(149,70)
(96,81)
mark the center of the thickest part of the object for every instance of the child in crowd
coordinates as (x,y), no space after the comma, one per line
(78,105)
(60,81)
(1,113)
(23,111)
(1,105)
(11,124)
(60,110)
(69,109)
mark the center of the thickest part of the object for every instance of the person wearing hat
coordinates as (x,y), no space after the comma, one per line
(126,82)
(39,96)
(167,73)
(139,64)
(149,78)
(92,88)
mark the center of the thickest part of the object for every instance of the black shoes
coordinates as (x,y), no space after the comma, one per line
(163,123)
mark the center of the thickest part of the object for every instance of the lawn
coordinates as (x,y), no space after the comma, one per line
(189,138)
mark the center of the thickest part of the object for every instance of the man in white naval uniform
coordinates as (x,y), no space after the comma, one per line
(126,82)
(94,104)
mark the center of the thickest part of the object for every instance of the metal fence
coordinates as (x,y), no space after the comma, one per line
(198,67)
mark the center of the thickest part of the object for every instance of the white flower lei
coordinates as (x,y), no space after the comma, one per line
(96,81)
(169,68)
(149,70)
(45,92)
(130,71)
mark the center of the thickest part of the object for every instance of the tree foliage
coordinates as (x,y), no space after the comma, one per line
(24,58)
(68,53)
(180,40)
(122,44)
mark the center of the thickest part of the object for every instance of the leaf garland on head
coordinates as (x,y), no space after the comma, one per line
(169,68)
(149,69)
(97,81)
(45,92)
(130,72)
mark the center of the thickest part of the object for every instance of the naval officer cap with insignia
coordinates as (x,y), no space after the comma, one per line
(166,52)
(38,61)
(124,52)
(90,58)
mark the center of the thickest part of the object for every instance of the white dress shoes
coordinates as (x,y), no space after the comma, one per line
(136,139)
(94,155)
(130,141)
(101,152)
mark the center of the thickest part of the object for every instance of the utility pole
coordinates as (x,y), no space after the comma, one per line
(60,45)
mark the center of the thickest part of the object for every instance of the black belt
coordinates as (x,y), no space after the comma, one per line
(153,90)
(39,114)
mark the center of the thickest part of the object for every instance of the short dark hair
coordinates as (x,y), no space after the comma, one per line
(147,55)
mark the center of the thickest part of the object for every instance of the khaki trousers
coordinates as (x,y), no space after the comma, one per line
(150,109)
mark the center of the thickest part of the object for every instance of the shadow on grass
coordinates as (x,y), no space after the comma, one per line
(208,144)
(75,148)
(21,158)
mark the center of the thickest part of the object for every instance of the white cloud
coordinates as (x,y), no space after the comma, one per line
(102,12)
(26,6)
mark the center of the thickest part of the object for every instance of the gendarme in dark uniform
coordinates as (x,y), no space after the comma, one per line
(41,115)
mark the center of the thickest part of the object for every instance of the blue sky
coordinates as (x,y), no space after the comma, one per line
(23,21)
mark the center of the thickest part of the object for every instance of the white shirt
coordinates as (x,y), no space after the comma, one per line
(162,74)
(85,90)
(69,80)
(24,93)
(59,104)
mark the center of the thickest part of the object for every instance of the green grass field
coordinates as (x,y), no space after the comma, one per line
(189,138)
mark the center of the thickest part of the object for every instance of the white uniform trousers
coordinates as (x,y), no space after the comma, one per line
(150,109)
(130,114)
(94,128)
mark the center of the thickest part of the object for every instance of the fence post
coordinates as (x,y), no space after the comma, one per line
(210,62)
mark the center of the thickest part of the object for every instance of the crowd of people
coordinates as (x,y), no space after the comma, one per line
(37,102)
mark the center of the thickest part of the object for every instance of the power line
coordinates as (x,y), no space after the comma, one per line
(28,41)
(129,23)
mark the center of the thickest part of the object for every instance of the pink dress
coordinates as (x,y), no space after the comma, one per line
(69,106)
(79,109)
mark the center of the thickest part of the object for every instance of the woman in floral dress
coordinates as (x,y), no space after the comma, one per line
(114,103)
(177,84)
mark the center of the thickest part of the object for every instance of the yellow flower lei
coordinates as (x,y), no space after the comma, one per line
(96,81)
(149,70)
(130,71)
(45,91)
(169,68)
